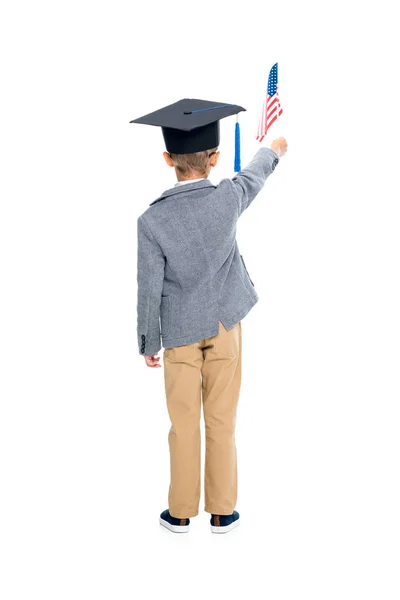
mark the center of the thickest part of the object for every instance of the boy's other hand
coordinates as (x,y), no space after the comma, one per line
(279,146)
(152,361)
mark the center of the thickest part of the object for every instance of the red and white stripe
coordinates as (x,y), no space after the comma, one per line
(271,110)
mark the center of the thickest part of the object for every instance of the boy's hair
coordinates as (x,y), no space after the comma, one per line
(193,162)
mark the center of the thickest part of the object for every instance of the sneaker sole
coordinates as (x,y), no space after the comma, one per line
(225,529)
(174,528)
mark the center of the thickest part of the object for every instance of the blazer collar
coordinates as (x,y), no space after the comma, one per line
(180,189)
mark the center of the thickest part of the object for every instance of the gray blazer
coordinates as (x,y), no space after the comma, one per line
(190,272)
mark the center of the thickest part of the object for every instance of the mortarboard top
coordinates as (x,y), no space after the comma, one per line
(190,125)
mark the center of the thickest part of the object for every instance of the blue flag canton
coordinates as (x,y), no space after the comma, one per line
(273,80)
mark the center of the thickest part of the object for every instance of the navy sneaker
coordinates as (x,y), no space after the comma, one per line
(174,524)
(224,523)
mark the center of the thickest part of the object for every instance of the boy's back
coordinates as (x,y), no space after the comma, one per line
(190,271)
(192,277)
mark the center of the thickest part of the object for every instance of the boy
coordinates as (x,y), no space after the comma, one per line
(193,279)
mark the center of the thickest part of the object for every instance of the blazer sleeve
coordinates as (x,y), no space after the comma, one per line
(150,277)
(250,180)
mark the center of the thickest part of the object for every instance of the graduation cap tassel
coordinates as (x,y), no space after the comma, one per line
(237,146)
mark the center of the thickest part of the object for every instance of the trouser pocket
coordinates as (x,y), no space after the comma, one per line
(227,342)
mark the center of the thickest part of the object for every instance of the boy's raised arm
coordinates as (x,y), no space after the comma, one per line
(250,180)
(150,277)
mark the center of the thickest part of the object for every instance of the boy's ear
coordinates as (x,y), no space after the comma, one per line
(168,159)
(214,159)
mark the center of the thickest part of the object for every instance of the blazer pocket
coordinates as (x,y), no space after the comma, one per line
(165,315)
(246,270)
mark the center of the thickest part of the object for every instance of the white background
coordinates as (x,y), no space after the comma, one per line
(84,452)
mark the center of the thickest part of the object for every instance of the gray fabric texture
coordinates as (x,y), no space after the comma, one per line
(190,273)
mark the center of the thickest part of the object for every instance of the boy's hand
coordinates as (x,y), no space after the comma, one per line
(152,361)
(279,146)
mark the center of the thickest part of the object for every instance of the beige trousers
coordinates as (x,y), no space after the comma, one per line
(206,372)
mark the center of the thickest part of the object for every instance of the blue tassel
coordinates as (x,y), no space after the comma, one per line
(237,147)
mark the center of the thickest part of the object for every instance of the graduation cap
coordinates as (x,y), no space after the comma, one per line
(192,125)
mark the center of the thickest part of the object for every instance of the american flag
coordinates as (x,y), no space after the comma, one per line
(271,109)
